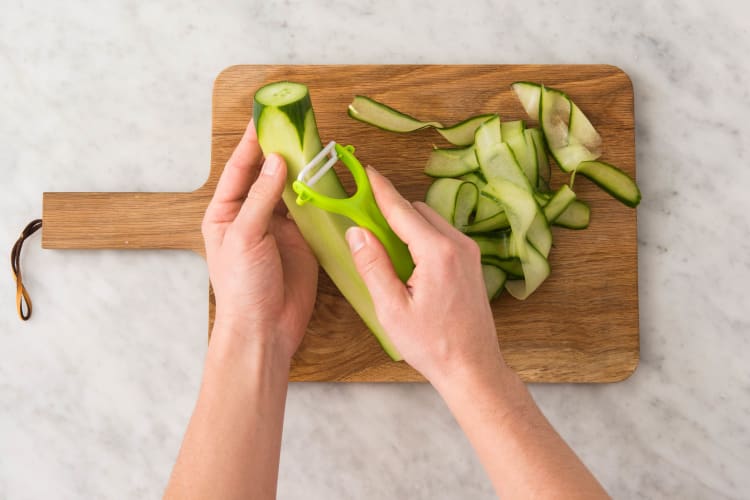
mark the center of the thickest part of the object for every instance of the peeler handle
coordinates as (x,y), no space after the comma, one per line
(363,210)
(369,216)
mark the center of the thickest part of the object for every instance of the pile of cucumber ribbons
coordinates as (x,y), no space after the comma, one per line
(495,184)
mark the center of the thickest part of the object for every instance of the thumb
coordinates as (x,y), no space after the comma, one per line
(375,267)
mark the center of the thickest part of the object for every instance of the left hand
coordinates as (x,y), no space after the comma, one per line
(263,273)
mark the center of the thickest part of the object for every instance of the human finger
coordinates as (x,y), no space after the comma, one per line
(257,209)
(375,267)
(405,221)
(438,221)
(236,178)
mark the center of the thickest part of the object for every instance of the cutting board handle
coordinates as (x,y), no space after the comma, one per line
(124,220)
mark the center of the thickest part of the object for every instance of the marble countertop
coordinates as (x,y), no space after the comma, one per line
(96,390)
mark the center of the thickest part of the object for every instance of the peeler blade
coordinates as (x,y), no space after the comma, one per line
(329,150)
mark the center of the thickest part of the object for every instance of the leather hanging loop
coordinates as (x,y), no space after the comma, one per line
(23,301)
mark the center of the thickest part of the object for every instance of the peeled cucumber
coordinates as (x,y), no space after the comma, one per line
(285,122)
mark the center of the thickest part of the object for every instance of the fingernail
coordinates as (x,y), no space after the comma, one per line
(271,166)
(356,239)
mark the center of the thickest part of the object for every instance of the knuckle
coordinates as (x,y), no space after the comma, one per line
(470,248)
(402,204)
(448,250)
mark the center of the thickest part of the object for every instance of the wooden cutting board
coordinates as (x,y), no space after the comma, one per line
(580,326)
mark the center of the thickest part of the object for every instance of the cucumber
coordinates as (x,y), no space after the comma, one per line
(528,93)
(511,130)
(462,133)
(555,113)
(576,216)
(492,223)
(496,245)
(496,159)
(498,249)
(497,162)
(542,198)
(582,131)
(509,186)
(486,207)
(514,134)
(285,122)
(570,136)
(539,234)
(566,128)
(384,117)
(487,139)
(452,162)
(494,279)
(612,180)
(475,178)
(535,270)
(544,173)
(524,215)
(456,203)
(511,174)
(453,199)
(558,203)
(512,267)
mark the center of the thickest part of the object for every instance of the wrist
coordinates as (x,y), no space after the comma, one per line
(236,341)
(497,396)
(463,368)
(473,377)
(227,321)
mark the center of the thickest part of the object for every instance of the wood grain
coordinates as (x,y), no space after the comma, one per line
(580,326)
(124,220)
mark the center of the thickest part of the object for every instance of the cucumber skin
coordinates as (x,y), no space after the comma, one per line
(630,202)
(459,134)
(569,221)
(296,111)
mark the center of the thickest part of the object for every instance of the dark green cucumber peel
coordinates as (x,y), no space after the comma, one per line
(384,117)
(365,116)
(612,180)
(296,110)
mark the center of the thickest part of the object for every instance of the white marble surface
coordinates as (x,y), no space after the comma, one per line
(96,390)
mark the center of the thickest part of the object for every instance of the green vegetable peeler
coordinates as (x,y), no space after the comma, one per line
(361,207)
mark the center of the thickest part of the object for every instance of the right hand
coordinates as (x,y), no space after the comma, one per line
(440,321)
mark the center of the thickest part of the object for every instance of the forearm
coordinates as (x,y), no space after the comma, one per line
(232,444)
(523,455)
